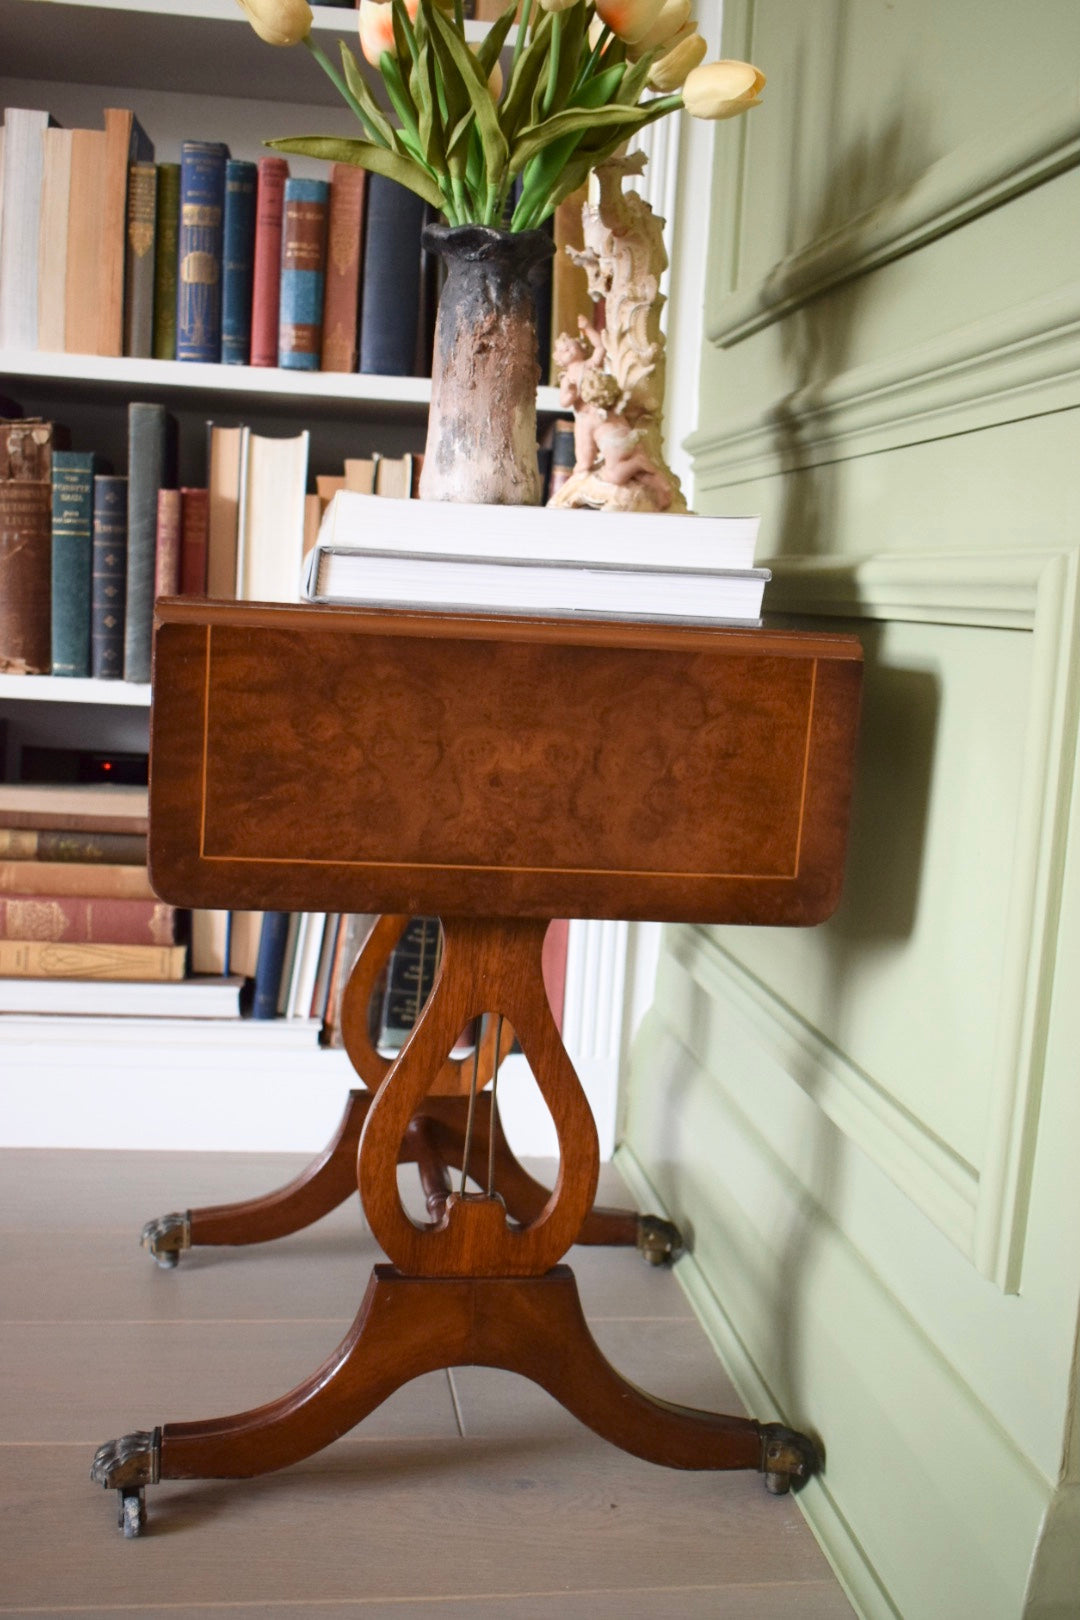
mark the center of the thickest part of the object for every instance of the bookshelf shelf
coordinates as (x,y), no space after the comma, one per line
(55,689)
(101,375)
(201,47)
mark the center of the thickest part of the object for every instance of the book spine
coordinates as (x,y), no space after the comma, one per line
(26,451)
(139,265)
(52,245)
(194,535)
(109,577)
(266,277)
(237,262)
(167,548)
(270,964)
(42,959)
(198,289)
(23,165)
(25,844)
(303,274)
(69,877)
(563,454)
(72,531)
(151,466)
(344,245)
(166,253)
(410,974)
(390,278)
(86,919)
(125,143)
(86,213)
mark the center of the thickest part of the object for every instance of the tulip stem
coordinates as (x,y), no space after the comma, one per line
(519,42)
(552,64)
(342,88)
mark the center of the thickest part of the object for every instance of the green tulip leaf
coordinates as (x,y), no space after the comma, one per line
(365,155)
(490,47)
(622,120)
(492,138)
(523,80)
(378,123)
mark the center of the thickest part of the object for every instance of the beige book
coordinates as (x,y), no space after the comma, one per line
(328,487)
(313,511)
(223,517)
(41,959)
(52,254)
(209,941)
(394,476)
(118,157)
(86,223)
(360,475)
(244,942)
(75,877)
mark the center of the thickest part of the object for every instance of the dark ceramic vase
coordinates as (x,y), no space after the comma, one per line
(481,439)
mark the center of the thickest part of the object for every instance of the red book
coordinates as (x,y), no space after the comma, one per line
(194,535)
(167,544)
(344,251)
(266,283)
(86,920)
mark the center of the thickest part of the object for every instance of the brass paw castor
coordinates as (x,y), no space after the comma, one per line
(658,1240)
(166,1238)
(788,1458)
(127,1465)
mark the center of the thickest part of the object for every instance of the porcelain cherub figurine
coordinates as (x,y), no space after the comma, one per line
(614,379)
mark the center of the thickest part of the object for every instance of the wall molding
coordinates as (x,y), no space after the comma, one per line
(981,1209)
(1023,361)
(976,177)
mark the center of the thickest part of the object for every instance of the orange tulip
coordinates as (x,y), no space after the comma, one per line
(630,19)
(375,22)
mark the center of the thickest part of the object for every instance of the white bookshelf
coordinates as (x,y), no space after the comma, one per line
(194,69)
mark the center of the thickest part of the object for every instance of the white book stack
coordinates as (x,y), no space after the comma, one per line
(537,560)
(21,170)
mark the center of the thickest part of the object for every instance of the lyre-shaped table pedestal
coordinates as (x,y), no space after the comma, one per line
(435,1142)
(352,760)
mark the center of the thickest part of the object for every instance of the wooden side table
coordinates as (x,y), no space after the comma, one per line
(495,773)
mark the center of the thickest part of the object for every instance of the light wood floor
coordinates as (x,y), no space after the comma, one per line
(469,1494)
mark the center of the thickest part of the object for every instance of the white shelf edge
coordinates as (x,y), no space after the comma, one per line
(62,689)
(238,382)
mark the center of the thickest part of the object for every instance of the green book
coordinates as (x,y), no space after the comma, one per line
(72,530)
(166,247)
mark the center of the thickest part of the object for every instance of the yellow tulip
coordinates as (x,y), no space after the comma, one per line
(630,19)
(279,22)
(671,70)
(375,22)
(718,90)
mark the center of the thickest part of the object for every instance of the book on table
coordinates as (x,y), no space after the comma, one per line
(537,560)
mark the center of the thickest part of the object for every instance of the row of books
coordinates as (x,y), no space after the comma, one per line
(216,259)
(87,549)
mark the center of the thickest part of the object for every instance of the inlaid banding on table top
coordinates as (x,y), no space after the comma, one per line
(576,760)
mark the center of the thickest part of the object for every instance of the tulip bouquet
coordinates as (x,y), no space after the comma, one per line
(584,76)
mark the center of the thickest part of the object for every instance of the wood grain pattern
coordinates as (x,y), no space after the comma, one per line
(321,758)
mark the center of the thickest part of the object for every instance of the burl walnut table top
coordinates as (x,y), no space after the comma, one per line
(342,759)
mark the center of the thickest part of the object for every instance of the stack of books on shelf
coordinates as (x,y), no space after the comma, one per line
(104,251)
(528,560)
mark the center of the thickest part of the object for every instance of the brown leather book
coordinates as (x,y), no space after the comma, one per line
(67,848)
(194,532)
(126,142)
(86,224)
(74,877)
(344,250)
(167,544)
(266,276)
(26,546)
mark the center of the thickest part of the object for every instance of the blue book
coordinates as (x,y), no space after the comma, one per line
(198,279)
(72,565)
(238,261)
(109,582)
(390,280)
(303,273)
(270,963)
